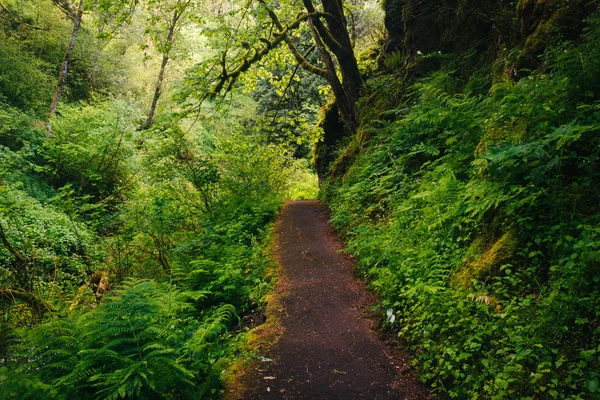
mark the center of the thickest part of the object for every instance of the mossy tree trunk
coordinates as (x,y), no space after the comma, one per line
(333,37)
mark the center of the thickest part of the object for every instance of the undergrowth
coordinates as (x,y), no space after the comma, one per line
(475,217)
(147,298)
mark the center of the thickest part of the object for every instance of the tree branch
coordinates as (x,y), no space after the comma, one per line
(300,59)
(227,79)
(345,108)
(331,43)
(65,7)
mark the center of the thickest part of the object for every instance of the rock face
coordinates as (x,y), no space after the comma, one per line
(487,26)
(542,21)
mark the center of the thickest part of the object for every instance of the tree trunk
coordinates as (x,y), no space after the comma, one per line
(62,77)
(337,39)
(351,77)
(345,106)
(157,91)
(163,67)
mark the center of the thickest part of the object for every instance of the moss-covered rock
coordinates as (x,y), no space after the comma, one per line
(486,257)
(542,21)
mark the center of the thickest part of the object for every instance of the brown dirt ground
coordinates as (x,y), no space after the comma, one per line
(323,345)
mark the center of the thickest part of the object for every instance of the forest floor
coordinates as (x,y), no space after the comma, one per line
(327,347)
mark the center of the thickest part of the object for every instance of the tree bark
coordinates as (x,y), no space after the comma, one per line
(62,77)
(346,108)
(336,38)
(338,27)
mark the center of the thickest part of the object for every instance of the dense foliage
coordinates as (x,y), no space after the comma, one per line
(146,147)
(474,213)
(131,253)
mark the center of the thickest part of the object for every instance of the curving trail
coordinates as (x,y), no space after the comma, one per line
(328,351)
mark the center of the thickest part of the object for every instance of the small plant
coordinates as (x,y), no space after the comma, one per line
(394,60)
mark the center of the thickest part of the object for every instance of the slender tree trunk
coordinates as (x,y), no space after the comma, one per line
(163,67)
(62,77)
(157,91)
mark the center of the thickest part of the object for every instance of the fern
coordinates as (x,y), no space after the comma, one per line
(395,60)
(216,323)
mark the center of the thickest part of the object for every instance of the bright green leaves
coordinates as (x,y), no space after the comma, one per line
(24,80)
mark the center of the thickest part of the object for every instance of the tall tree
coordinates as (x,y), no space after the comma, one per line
(175,14)
(334,37)
(119,11)
(75,15)
(329,29)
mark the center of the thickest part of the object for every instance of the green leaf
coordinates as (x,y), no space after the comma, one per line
(592,385)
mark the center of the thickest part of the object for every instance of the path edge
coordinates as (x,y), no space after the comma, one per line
(240,374)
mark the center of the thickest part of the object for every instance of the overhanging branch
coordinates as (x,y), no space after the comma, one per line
(227,78)
(300,59)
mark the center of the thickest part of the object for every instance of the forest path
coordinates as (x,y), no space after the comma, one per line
(328,350)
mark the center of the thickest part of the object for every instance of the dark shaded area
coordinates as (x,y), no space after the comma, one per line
(489,26)
(326,150)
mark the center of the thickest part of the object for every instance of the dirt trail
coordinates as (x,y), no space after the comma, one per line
(327,351)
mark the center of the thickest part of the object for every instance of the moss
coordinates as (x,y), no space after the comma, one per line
(491,257)
(543,21)
(513,133)
(334,131)
(384,94)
